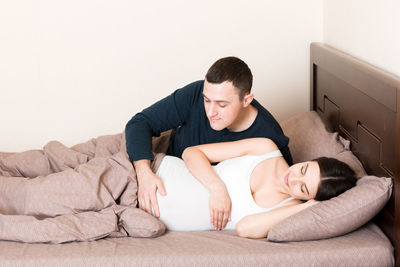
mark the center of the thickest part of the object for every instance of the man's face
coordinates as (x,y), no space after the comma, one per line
(222,104)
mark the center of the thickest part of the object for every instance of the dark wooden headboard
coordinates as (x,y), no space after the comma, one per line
(362,103)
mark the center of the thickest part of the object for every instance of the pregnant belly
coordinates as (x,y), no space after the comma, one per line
(185,207)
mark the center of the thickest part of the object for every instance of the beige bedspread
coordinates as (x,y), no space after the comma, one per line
(62,194)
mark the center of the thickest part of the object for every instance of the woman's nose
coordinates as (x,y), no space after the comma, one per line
(294,179)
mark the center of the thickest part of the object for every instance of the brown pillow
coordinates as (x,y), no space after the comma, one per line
(350,159)
(309,138)
(337,216)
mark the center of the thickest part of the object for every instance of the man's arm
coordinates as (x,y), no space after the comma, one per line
(166,114)
(148,183)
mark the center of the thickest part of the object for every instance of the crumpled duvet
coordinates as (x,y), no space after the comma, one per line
(82,193)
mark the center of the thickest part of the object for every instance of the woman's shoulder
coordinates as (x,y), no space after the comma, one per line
(260,146)
(285,202)
(291,202)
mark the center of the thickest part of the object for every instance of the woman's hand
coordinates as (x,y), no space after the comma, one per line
(220,207)
(258,225)
(220,203)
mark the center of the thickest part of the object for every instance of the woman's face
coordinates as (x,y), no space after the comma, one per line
(302,180)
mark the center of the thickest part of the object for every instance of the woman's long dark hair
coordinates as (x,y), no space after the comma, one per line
(336,178)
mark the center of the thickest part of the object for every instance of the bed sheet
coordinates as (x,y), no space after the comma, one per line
(367,246)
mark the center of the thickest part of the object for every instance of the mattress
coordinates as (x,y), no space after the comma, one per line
(367,246)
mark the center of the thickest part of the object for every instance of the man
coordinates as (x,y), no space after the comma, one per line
(221,108)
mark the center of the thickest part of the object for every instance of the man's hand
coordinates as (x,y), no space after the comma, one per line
(220,207)
(148,184)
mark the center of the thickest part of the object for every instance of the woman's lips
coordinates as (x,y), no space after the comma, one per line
(287,179)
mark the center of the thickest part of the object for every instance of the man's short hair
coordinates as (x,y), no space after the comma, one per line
(234,70)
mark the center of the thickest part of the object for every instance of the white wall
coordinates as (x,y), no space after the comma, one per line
(367,29)
(72,70)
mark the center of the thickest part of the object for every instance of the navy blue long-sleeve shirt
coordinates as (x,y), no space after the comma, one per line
(184,111)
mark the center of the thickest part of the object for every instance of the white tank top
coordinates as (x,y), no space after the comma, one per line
(185,208)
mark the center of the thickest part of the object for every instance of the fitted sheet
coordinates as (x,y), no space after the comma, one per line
(367,246)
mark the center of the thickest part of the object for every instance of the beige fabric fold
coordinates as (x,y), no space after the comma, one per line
(83,226)
(92,186)
(115,221)
(62,194)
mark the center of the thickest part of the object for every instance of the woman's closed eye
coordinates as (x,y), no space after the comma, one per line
(304,169)
(304,189)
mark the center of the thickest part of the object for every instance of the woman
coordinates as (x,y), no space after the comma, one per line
(252,174)
(262,188)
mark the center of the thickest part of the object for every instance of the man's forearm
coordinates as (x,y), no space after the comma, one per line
(142,167)
(138,137)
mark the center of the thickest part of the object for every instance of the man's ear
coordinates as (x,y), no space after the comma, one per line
(247,99)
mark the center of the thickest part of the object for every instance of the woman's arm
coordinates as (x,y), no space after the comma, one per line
(198,159)
(217,152)
(258,225)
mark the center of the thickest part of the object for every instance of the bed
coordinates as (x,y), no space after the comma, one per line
(371,124)
(362,103)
